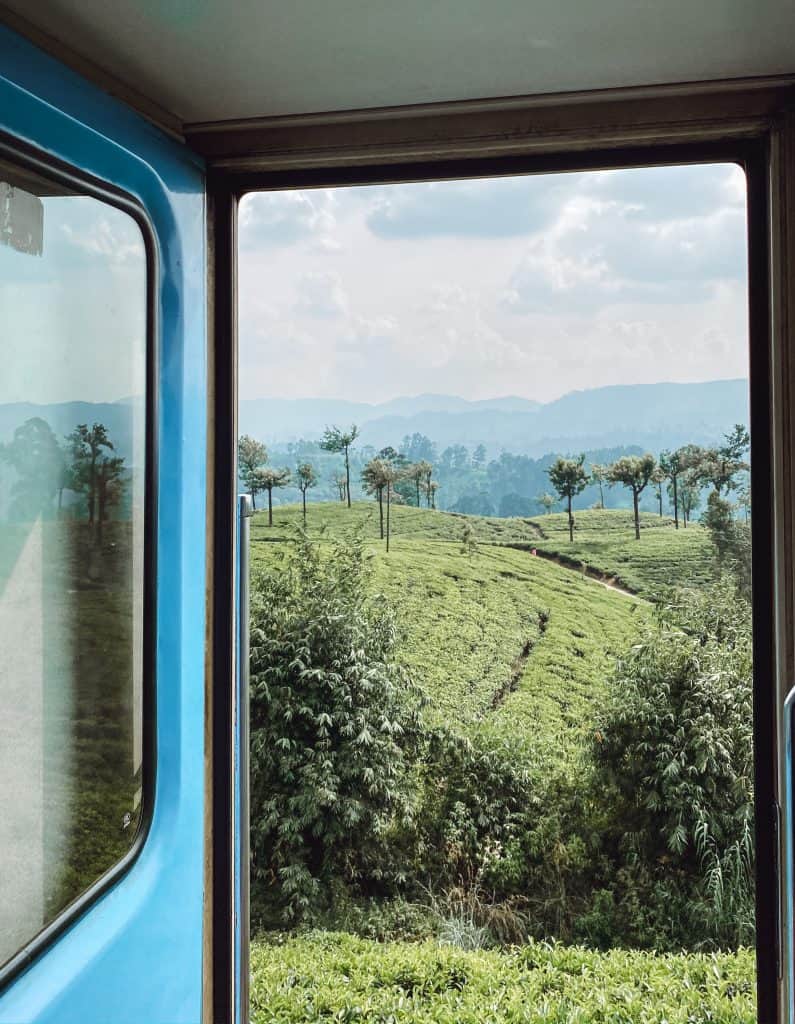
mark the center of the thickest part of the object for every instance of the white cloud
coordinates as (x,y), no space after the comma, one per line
(320,294)
(529,286)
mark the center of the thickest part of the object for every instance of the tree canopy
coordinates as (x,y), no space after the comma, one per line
(569,478)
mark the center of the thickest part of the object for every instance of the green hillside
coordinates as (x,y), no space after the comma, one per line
(495,635)
(604,541)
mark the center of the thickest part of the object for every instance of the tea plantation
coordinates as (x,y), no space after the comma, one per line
(331,976)
(510,630)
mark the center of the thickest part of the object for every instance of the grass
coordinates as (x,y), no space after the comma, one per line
(604,540)
(331,976)
(494,636)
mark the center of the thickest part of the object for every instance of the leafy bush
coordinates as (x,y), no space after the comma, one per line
(334,725)
(674,763)
(336,977)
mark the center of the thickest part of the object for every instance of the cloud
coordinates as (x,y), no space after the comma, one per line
(606,251)
(528,285)
(283,218)
(320,294)
(481,208)
(669,193)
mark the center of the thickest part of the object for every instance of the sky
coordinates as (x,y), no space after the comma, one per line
(74,318)
(531,286)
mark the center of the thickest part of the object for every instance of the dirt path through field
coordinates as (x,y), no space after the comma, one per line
(610,582)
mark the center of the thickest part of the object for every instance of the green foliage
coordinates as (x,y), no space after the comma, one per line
(666,558)
(251,457)
(334,720)
(635,472)
(514,828)
(336,977)
(336,439)
(569,479)
(674,765)
(731,539)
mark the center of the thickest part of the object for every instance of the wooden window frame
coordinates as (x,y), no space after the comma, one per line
(750,123)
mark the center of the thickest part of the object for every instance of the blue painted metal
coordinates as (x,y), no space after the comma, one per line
(136,956)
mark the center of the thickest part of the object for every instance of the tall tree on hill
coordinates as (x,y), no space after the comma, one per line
(306,477)
(634,472)
(251,456)
(110,480)
(85,447)
(547,501)
(342,487)
(392,474)
(427,480)
(672,466)
(690,498)
(569,479)
(598,476)
(433,487)
(269,478)
(336,440)
(420,474)
(723,463)
(375,477)
(658,479)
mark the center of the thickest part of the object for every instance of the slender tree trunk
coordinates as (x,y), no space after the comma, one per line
(676,503)
(381,510)
(659,497)
(388,503)
(303,502)
(637,516)
(601,495)
(418,491)
(571,522)
(92,489)
(347,478)
(270,506)
(254,500)
(100,515)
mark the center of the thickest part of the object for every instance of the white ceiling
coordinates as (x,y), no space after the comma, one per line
(208,60)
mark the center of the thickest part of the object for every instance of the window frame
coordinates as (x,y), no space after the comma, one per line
(300,165)
(26,156)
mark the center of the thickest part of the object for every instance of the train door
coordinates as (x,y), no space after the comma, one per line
(104,878)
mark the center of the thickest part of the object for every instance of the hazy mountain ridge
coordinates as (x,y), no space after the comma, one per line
(652,416)
(649,415)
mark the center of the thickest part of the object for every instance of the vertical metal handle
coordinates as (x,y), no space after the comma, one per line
(245,512)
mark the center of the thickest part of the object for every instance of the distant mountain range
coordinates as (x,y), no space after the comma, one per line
(653,416)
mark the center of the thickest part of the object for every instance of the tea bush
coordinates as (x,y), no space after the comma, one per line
(328,977)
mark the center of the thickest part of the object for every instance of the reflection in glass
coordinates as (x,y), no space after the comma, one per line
(72,446)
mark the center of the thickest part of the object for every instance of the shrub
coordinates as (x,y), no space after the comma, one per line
(334,726)
(674,763)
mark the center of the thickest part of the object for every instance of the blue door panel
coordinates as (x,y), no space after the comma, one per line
(136,955)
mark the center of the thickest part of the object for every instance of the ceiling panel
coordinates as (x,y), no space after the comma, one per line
(209,60)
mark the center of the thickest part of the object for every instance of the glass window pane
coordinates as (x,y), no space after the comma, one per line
(72,464)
